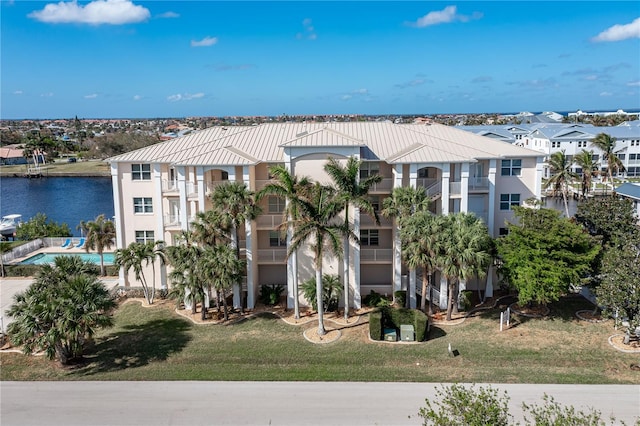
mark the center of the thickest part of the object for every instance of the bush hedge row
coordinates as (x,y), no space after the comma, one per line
(388,317)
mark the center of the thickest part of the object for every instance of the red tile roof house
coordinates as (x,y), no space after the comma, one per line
(11,156)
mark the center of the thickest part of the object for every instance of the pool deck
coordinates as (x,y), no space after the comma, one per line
(53,250)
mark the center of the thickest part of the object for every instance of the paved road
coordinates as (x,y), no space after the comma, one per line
(266,403)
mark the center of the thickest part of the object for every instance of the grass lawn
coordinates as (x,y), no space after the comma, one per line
(63,168)
(157,344)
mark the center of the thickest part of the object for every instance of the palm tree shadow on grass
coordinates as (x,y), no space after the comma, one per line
(136,346)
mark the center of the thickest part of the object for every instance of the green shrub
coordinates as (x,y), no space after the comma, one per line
(21,270)
(389,317)
(270,293)
(331,289)
(375,325)
(400,297)
(375,300)
(466,297)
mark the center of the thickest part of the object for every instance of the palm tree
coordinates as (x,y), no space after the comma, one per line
(100,234)
(138,255)
(209,230)
(186,280)
(466,252)
(402,204)
(351,190)
(292,189)
(561,176)
(221,267)
(61,310)
(316,223)
(235,205)
(584,160)
(421,247)
(607,144)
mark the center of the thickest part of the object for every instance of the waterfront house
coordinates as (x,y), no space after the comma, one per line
(159,189)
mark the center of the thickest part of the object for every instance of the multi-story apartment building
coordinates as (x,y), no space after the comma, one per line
(159,189)
(572,138)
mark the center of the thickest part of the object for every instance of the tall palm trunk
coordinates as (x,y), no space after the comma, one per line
(566,202)
(345,265)
(319,292)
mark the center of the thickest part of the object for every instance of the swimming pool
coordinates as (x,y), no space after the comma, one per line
(44,258)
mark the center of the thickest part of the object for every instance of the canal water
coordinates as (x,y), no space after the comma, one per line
(67,200)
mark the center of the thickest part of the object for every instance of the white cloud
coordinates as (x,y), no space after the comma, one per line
(620,32)
(207,41)
(606,93)
(591,77)
(46,95)
(137,97)
(168,15)
(91,96)
(444,16)
(634,83)
(17,92)
(185,97)
(309,30)
(97,12)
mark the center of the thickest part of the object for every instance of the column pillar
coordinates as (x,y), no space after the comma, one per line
(491,213)
(446,175)
(464,188)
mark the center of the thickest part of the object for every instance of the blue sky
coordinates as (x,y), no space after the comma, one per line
(121,58)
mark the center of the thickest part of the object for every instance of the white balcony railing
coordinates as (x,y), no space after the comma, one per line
(169,186)
(278,255)
(478,183)
(269,221)
(385,185)
(172,220)
(376,255)
(455,188)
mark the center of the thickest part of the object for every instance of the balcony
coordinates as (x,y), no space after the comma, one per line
(366,221)
(169,186)
(455,188)
(277,255)
(376,255)
(478,184)
(269,221)
(172,221)
(210,185)
(385,185)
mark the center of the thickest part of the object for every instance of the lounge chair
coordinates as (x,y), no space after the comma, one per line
(80,244)
(67,244)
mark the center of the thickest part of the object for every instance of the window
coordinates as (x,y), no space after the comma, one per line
(369,169)
(276,204)
(141,171)
(595,157)
(276,239)
(511,167)
(633,171)
(142,205)
(375,202)
(621,156)
(632,157)
(369,237)
(508,200)
(582,144)
(555,144)
(144,236)
(503,231)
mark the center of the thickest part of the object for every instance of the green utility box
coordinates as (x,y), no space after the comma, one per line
(407,333)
